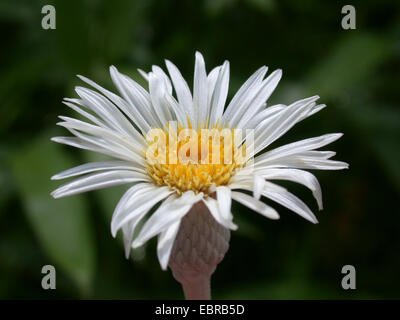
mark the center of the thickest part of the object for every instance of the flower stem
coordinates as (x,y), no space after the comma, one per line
(197,289)
(199,246)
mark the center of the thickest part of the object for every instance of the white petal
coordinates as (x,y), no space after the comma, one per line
(104,133)
(77,143)
(139,101)
(200,89)
(288,200)
(255,205)
(166,215)
(87,115)
(218,99)
(128,198)
(211,81)
(224,201)
(105,109)
(322,155)
(267,113)
(172,104)
(141,97)
(214,208)
(157,91)
(161,74)
(181,88)
(118,101)
(267,87)
(96,166)
(316,109)
(143,74)
(244,184)
(297,147)
(94,144)
(98,181)
(317,160)
(245,93)
(128,230)
(288,117)
(104,139)
(295,159)
(97,145)
(133,194)
(301,162)
(138,205)
(299,176)
(258,187)
(279,195)
(165,243)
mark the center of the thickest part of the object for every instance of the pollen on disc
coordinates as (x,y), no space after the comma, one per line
(187,159)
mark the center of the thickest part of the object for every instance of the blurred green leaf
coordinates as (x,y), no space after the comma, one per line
(119,18)
(263,5)
(354,71)
(389,154)
(378,127)
(62,226)
(289,288)
(5,187)
(216,6)
(355,58)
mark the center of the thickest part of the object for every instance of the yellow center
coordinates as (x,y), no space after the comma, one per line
(184,159)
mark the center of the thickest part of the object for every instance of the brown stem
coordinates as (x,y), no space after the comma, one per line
(197,289)
(200,245)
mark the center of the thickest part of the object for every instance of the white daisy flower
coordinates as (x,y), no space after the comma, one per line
(194,216)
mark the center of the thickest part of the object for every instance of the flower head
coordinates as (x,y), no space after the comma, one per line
(177,148)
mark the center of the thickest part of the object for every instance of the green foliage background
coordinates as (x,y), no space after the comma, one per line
(356,73)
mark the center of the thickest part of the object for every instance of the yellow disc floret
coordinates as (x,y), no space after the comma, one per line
(186,159)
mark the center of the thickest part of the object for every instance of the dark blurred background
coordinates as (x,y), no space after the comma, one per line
(356,73)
